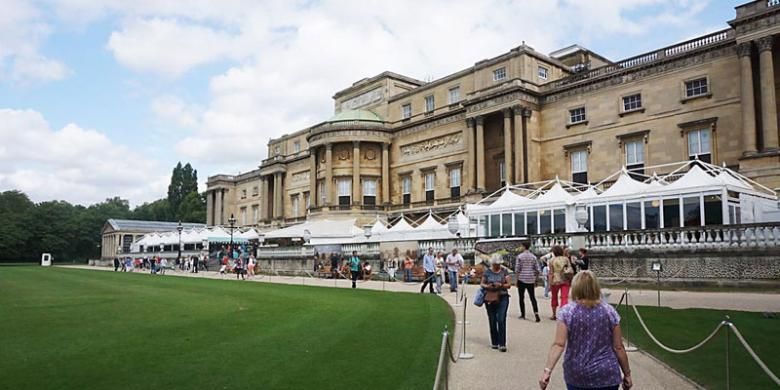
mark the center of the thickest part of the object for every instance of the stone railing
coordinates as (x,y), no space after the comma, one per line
(363,249)
(464,245)
(755,7)
(277,252)
(646,58)
(757,236)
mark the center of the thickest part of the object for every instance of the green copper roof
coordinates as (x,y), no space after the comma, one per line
(355,115)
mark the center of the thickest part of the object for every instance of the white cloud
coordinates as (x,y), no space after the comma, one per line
(173,109)
(74,164)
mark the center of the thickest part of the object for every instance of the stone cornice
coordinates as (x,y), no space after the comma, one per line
(434,121)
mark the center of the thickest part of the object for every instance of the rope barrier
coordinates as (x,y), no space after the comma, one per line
(753,354)
(622,280)
(672,350)
(446,355)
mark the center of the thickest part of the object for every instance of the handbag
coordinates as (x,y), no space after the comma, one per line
(479,297)
(568,271)
(491,296)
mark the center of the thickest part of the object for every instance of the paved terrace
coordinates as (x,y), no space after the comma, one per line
(527,341)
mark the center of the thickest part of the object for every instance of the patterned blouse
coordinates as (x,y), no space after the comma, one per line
(589,360)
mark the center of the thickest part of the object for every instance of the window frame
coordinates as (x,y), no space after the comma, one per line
(430,104)
(406,110)
(449,94)
(499,74)
(430,191)
(406,189)
(624,109)
(539,72)
(571,114)
(698,131)
(707,88)
(582,161)
(296,146)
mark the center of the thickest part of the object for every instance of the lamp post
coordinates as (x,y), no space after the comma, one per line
(232,227)
(658,268)
(179,227)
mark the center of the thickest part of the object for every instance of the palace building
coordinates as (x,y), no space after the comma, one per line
(397,145)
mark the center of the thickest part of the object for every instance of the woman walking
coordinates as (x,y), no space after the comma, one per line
(559,276)
(589,330)
(527,270)
(495,281)
(354,268)
(439,271)
(250,266)
(408,265)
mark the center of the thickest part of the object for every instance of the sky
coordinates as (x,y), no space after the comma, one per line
(101,98)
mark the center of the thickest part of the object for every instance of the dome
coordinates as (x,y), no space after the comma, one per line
(355,115)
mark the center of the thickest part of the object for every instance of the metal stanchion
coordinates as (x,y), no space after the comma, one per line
(728,366)
(464,354)
(629,347)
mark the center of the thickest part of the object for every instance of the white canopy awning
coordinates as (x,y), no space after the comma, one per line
(625,186)
(556,195)
(325,228)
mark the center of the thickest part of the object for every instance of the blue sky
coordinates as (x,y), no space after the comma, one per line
(102,98)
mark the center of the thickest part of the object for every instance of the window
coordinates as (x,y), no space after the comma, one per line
(545,222)
(635,158)
(454,95)
(406,111)
(559,221)
(455,182)
(255,213)
(699,145)
(542,73)
(692,211)
(499,74)
(615,217)
(429,104)
(502,172)
(495,225)
(255,191)
(579,166)
(321,190)
(713,210)
(632,102)
(519,224)
(243,216)
(671,213)
(634,215)
(506,224)
(307,200)
(430,184)
(697,87)
(295,201)
(345,191)
(531,223)
(652,214)
(599,218)
(243,194)
(577,115)
(406,189)
(369,192)
(296,146)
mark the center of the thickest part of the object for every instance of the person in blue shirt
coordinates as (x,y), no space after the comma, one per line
(429,266)
(354,268)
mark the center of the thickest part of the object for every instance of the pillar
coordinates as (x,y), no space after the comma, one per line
(328,174)
(263,198)
(518,149)
(508,146)
(356,190)
(480,153)
(210,208)
(470,171)
(748,103)
(218,206)
(768,108)
(385,173)
(312,177)
(277,191)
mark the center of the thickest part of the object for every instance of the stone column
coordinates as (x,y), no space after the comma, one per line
(385,173)
(328,174)
(519,155)
(470,166)
(210,208)
(356,190)
(480,153)
(748,103)
(218,206)
(263,198)
(768,108)
(312,177)
(508,145)
(277,195)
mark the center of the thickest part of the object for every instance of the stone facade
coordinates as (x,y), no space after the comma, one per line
(399,145)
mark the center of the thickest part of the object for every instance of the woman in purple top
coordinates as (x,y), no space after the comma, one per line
(590,331)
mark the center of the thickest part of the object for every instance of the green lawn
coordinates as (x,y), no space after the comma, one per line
(681,329)
(80,329)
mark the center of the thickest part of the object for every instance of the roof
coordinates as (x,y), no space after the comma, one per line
(355,115)
(148,226)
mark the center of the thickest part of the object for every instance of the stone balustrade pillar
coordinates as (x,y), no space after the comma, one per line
(508,171)
(768,104)
(748,101)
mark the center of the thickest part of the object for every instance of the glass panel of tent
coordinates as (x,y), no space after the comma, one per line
(506,224)
(495,226)
(652,214)
(671,212)
(519,224)
(713,210)
(545,222)
(600,218)
(633,215)
(692,211)
(616,217)
(559,221)
(531,223)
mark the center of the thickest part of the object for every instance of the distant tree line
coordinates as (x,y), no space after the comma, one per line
(72,232)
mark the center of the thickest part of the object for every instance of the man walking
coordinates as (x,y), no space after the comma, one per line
(527,270)
(429,266)
(454,263)
(354,268)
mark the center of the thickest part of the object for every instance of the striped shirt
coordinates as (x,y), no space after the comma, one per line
(527,267)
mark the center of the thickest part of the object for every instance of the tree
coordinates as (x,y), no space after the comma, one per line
(193,208)
(15,216)
(184,181)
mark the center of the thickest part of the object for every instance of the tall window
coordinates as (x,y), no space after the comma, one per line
(577,115)
(635,158)
(632,102)
(295,205)
(369,192)
(697,87)
(699,145)
(502,172)
(321,190)
(499,74)
(579,166)
(542,73)
(406,189)
(406,111)
(243,216)
(429,104)
(345,191)
(454,95)
(455,182)
(307,200)
(243,193)
(430,184)
(297,146)
(255,213)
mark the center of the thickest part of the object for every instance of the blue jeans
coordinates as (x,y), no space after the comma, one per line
(497,320)
(407,275)
(438,284)
(453,280)
(572,387)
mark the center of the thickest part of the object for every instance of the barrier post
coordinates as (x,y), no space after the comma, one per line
(464,354)
(440,369)
(728,343)
(629,348)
